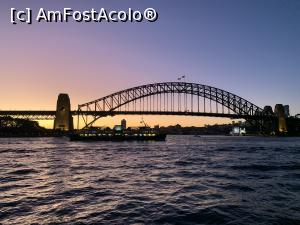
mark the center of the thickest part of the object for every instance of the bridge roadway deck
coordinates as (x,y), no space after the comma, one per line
(50,114)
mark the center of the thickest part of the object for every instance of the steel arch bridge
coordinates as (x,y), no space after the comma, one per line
(170,98)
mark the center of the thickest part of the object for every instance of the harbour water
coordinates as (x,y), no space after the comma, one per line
(185,180)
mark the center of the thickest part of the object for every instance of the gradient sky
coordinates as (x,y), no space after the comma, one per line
(250,48)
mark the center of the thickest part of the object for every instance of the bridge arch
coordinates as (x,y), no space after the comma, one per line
(110,104)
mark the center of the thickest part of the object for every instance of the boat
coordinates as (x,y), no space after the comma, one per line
(117,137)
(118,133)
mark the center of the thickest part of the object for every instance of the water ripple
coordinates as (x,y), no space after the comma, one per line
(185,180)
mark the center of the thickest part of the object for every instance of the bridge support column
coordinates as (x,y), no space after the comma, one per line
(268,124)
(63,118)
(281,124)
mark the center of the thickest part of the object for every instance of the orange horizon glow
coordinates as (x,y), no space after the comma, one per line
(135,121)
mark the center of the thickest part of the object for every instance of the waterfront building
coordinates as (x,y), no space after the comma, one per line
(123,124)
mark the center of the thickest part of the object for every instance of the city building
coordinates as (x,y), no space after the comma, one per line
(118,128)
(286,110)
(237,131)
(123,124)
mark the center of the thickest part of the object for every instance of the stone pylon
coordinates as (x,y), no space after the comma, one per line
(63,120)
(281,124)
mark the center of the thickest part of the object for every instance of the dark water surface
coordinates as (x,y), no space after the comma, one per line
(185,180)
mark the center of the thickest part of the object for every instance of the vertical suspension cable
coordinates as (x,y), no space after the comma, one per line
(204,104)
(223,106)
(192,102)
(186,104)
(179,108)
(184,93)
(153,103)
(198,101)
(164,101)
(160,101)
(167,102)
(173,102)
(157,102)
(171,96)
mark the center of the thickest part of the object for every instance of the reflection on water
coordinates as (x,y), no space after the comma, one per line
(185,180)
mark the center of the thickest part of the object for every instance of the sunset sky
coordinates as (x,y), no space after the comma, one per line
(250,48)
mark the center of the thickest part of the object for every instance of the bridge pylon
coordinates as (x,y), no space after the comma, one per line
(63,117)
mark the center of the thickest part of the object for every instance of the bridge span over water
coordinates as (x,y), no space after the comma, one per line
(168,98)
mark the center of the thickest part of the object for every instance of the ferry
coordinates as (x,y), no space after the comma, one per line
(117,137)
(118,133)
